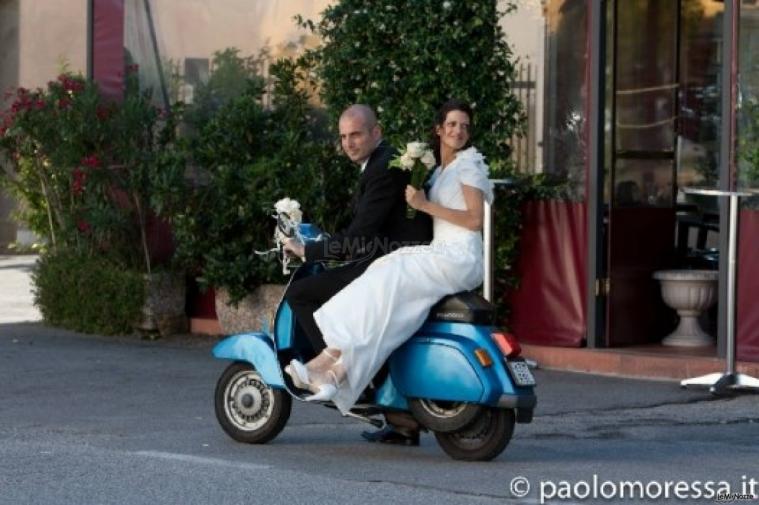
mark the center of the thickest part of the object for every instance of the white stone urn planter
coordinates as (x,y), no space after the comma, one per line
(254,312)
(689,292)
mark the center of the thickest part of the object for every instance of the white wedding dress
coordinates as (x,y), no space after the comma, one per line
(381,309)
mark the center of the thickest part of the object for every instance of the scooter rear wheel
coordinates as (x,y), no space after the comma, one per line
(482,440)
(248,409)
(443,416)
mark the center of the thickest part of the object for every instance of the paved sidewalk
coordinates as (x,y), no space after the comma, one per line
(16,299)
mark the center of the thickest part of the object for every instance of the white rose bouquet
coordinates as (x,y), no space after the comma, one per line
(417,159)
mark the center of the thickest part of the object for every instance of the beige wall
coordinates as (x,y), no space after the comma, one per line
(36,38)
(197,28)
(525,33)
(51,32)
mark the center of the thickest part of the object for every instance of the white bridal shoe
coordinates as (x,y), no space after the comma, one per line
(299,374)
(302,379)
(326,391)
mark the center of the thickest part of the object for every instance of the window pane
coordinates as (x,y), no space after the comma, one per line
(700,95)
(566,92)
(748,99)
(643,183)
(524,29)
(180,47)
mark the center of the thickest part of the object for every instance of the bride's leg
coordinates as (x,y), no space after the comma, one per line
(326,367)
(316,372)
(325,384)
(324,360)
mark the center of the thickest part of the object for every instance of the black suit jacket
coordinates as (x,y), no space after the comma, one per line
(379,223)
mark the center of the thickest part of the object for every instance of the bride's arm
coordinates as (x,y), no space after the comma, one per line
(471,218)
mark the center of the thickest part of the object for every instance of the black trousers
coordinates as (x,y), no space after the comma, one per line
(306,295)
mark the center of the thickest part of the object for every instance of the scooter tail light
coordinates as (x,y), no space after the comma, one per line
(507,343)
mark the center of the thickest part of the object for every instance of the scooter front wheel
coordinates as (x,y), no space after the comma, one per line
(248,409)
(483,439)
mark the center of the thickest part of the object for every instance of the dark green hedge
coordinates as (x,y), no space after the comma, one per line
(87,294)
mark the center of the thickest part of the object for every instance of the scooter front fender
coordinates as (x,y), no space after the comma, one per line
(256,349)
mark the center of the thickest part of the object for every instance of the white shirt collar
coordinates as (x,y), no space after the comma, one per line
(366,161)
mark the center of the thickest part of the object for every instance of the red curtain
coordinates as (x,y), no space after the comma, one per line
(747,324)
(548,307)
(108,47)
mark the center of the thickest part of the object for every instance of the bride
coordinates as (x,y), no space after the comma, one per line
(376,313)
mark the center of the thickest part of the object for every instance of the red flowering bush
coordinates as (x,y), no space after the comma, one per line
(47,135)
(85,168)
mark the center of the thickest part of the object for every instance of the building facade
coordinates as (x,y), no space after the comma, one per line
(629,104)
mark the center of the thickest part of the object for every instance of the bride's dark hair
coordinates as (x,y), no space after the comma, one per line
(441,114)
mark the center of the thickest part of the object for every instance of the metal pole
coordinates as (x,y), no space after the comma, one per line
(487,241)
(719,383)
(487,259)
(731,253)
(727,146)
(595,305)
(90,39)
(157,55)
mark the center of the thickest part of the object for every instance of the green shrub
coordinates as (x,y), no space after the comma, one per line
(406,58)
(247,157)
(88,294)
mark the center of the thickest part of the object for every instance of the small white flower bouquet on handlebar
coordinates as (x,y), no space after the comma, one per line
(288,215)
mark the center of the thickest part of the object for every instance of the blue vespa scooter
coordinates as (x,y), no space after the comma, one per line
(458,375)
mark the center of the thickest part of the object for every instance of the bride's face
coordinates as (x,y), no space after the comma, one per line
(454,132)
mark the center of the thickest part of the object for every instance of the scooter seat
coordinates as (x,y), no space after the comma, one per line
(464,307)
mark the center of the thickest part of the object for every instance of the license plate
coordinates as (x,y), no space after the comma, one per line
(521,373)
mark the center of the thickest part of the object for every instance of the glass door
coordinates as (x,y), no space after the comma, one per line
(663,124)
(641,217)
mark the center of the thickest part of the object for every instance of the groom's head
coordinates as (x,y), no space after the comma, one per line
(359,132)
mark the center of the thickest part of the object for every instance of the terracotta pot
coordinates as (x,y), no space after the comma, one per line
(164,309)
(255,312)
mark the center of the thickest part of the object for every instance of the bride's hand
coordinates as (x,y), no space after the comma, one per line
(415,197)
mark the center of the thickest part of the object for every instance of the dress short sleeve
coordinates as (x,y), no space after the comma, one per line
(473,171)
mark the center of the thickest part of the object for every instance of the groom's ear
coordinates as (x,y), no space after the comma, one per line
(377,132)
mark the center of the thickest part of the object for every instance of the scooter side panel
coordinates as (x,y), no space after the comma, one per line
(439,363)
(436,368)
(496,378)
(256,349)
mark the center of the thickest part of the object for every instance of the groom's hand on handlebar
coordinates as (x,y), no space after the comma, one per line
(294,247)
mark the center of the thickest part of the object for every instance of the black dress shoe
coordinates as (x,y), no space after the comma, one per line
(391,435)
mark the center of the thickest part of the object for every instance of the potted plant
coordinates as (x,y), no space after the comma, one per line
(148,171)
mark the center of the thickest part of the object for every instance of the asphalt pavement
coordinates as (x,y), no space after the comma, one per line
(116,420)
